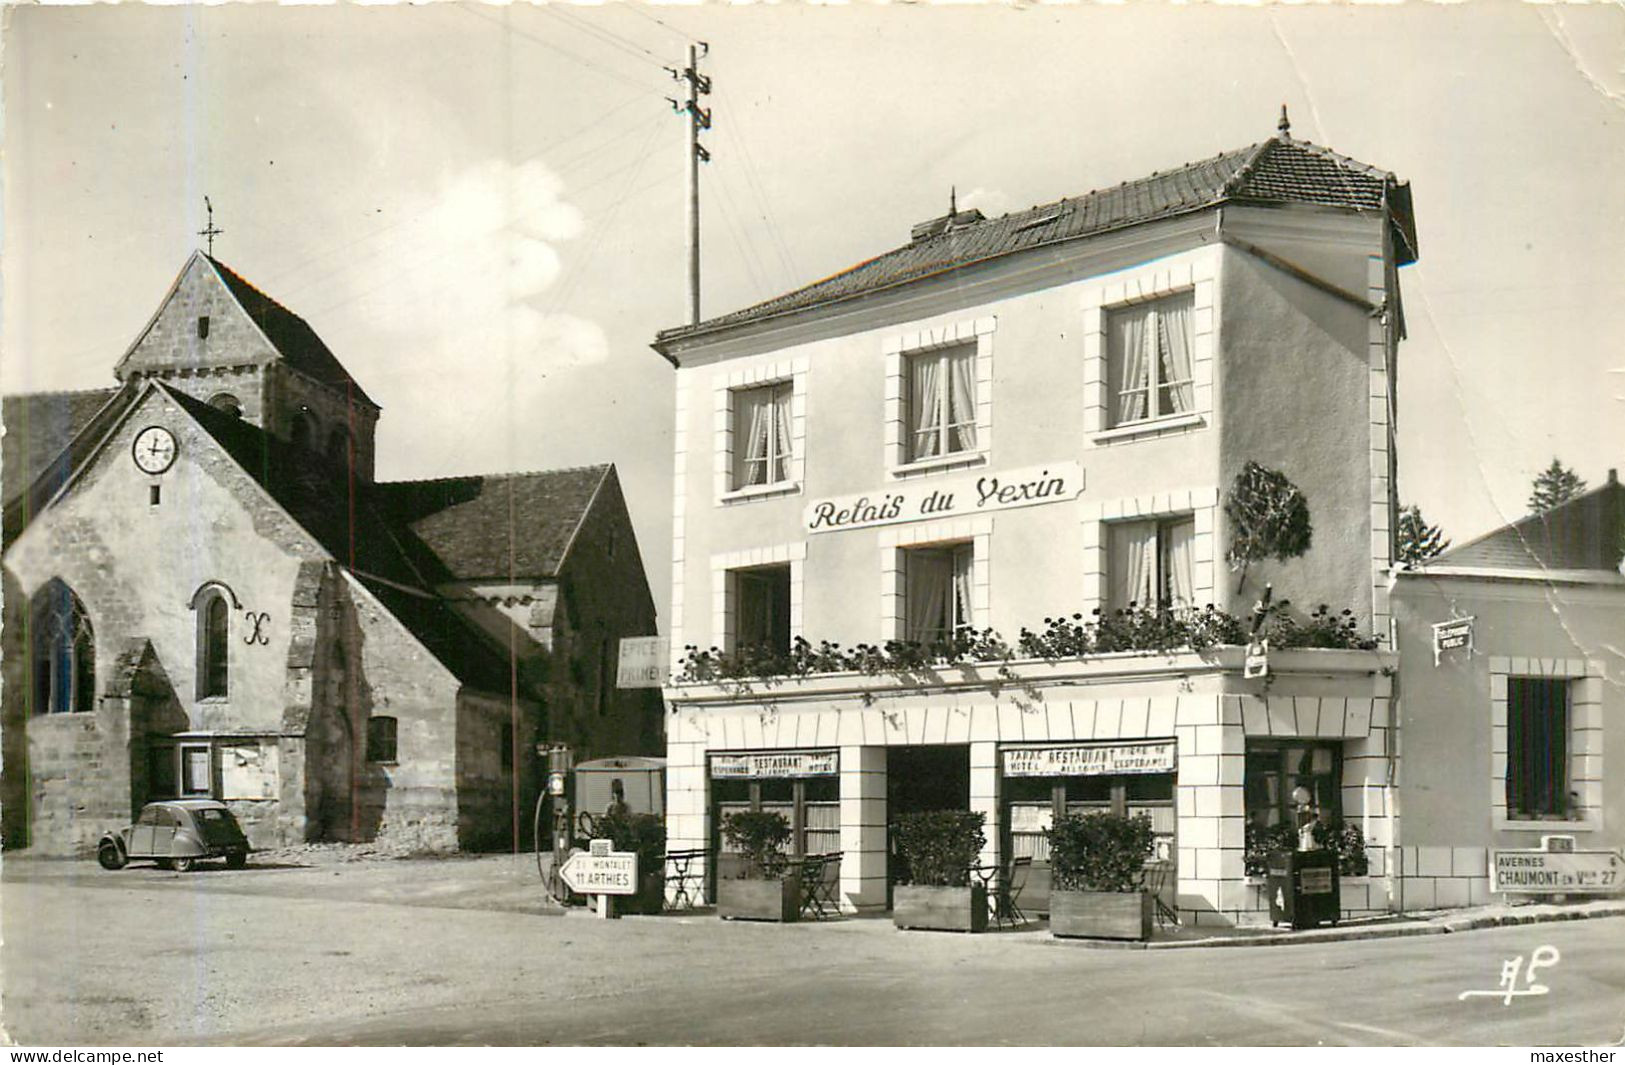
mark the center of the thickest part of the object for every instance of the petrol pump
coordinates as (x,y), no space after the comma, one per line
(560,760)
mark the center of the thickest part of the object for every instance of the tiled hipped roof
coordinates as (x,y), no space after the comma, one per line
(1586,533)
(1276,171)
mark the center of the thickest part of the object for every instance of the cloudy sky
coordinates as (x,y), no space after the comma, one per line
(481,208)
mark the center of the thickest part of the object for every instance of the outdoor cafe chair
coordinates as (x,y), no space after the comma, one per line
(820,879)
(1006,907)
(1156,878)
(685,878)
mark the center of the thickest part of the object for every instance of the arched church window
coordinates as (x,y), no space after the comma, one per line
(227,402)
(338,446)
(64,652)
(213,630)
(302,431)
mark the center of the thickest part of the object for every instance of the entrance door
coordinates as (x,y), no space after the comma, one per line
(920,779)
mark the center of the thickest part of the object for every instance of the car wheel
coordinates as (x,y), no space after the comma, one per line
(236,860)
(109,855)
(181,865)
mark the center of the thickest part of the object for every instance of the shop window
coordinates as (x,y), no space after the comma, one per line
(64,652)
(381,733)
(1275,770)
(1149,360)
(937,591)
(940,417)
(1537,781)
(761,601)
(213,645)
(197,770)
(811,806)
(1034,804)
(1149,563)
(761,435)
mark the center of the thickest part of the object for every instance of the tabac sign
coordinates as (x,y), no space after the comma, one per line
(1089,759)
(959,497)
(767,764)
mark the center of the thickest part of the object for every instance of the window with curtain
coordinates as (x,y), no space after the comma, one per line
(1149,360)
(1274,770)
(64,652)
(212,646)
(1149,563)
(762,435)
(936,591)
(762,608)
(1537,779)
(941,391)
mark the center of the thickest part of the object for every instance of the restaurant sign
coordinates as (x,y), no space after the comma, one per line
(954,498)
(1089,759)
(771,764)
(1532,872)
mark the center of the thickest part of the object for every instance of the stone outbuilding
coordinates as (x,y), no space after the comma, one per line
(207,593)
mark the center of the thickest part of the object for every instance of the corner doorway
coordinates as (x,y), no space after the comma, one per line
(919,779)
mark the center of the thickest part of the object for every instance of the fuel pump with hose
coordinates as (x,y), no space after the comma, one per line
(560,760)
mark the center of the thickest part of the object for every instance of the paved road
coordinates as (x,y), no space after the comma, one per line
(148,957)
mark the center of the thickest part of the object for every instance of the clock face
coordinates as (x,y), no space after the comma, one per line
(154,449)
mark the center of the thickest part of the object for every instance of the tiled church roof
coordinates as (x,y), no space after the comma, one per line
(1277,171)
(493,526)
(47,434)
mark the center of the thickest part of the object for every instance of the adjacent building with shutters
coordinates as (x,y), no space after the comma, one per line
(208,593)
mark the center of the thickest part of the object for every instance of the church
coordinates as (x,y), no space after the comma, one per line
(208,594)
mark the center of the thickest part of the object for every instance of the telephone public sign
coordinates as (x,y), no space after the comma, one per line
(1452,635)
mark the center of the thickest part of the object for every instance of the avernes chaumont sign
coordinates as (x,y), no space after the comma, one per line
(958,497)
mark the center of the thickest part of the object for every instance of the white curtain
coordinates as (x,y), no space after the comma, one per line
(963,558)
(753,409)
(781,432)
(1129,360)
(1178,393)
(926,399)
(928,582)
(962,399)
(1132,563)
(1177,538)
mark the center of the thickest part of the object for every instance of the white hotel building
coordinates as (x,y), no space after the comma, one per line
(1038,415)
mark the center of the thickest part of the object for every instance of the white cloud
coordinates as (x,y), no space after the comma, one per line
(990,202)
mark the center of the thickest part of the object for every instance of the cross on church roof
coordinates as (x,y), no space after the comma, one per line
(209,232)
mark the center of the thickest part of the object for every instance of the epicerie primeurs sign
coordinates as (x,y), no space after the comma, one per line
(771,764)
(1090,759)
(981,494)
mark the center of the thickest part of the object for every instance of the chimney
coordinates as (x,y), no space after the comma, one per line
(1613,476)
(944,224)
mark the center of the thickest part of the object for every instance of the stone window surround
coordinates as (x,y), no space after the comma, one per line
(722,602)
(1195,273)
(1201,503)
(1585,739)
(206,593)
(723,388)
(893,542)
(897,349)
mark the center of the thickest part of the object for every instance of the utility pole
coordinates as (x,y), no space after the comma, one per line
(699,119)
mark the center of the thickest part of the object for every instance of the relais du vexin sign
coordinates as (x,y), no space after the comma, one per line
(959,497)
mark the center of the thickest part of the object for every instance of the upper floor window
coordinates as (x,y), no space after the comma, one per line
(762,608)
(941,390)
(1537,780)
(302,431)
(1149,371)
(64,652)
(338,446)
(937,583)
(1149,563)
(227,402)
(213,631)
(762,437)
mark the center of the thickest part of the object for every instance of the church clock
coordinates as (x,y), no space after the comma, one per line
(154,449)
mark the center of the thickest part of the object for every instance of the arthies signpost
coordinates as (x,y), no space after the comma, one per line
(979,494)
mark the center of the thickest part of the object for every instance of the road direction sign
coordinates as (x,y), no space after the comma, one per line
(1531,872)
(615,873)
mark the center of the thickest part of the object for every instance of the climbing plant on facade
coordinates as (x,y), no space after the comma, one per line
(1269,518)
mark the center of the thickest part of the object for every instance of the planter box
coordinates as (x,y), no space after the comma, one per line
(945,909)
(759,900)
(1100,914)
(650,897)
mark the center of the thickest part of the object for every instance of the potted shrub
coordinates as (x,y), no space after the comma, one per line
(938,849)
(1098,864)
(644,835)
(763,890)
